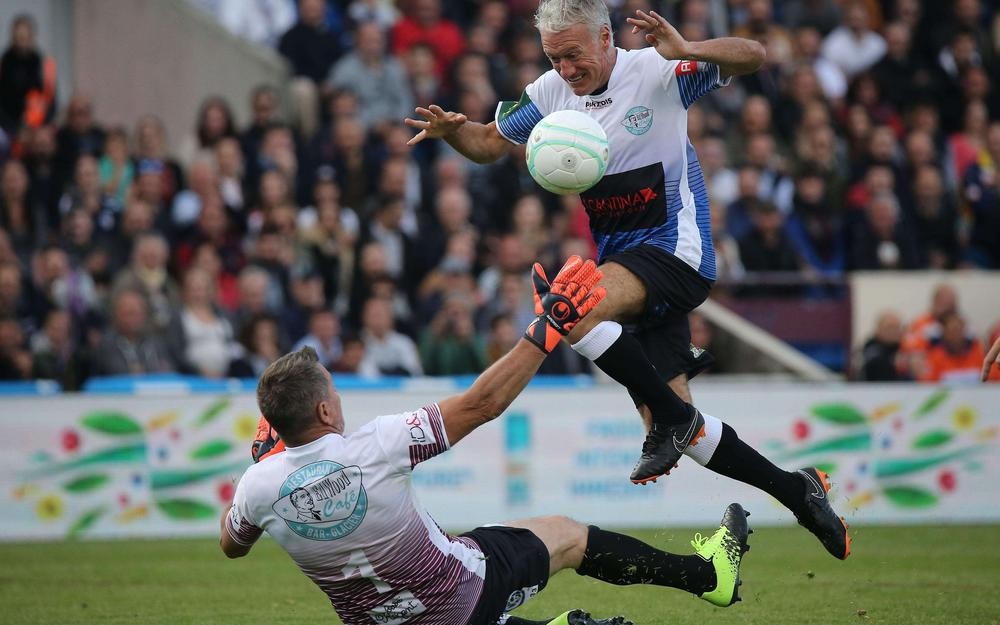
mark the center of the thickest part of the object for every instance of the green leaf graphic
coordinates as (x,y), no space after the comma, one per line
(211,449)
(114,423)
(902,466)
(84,522)
(114,455)
(826,467)
(931,403)
(213,411)
(852,442)
(838,414)
(185,509)
(86,483)
(170,479)
(932,438)
(910,496)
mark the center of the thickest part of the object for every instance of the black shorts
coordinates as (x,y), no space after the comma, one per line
(517,568)
(673,289)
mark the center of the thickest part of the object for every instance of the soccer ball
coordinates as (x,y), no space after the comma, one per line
(567,152)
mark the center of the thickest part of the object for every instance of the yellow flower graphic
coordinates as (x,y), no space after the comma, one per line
(885,410)
(49,507)
(162,420)
(24,491)
(245,426)
(964,418)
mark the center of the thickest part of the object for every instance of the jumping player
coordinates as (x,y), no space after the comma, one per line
(344,509)
(649,216)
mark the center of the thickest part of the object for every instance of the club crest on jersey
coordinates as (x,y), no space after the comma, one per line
(322,500)
(638,120)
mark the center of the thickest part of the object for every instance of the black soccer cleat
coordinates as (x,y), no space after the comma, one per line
(819,517)
(664,446)
(579,617)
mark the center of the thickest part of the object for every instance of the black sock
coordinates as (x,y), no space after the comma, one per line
(623,560)
(628,365)
(517,620)
(739,461)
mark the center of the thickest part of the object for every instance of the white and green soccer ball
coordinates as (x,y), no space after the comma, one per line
(567,152)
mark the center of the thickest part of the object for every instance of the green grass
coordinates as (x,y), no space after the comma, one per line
(897,576)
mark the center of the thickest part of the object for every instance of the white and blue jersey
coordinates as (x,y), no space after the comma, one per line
(653,192)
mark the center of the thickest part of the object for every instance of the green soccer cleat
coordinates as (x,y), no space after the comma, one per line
(579,617)
(725,551)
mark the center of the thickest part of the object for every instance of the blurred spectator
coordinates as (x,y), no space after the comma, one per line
(831,78)
(24,224)
(215,121)
(879,356)
(305,298)
(129,347)
(378,80)
(116,167)
(452,210)
(15,302)
(760,26)
(381,12)
(815,228)
(329,242)
(882,240)
(901,73)
(203,186)
(254,285)
(344,146)
(766,248)
(502,338)
(151,148)
(927,327)
(80,134)
(85,193)
(39,159)
(981,190)
(264,112)
(935,220)
(203,341)
(15,360)
(423,24)
(206,258)
(231,171)
(260,345)
(854,46)
(311,48)
(27,81)
(324,337)
(449,346)
(966,145)
(420,67)
(137,219)
(55,354)
(147,275)
(728,266)
(955,356)
(64,285)
(386,350)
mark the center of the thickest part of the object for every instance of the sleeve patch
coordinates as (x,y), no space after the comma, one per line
(685,68)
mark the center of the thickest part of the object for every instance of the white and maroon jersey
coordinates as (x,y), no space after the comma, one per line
(653,192)
(343,508)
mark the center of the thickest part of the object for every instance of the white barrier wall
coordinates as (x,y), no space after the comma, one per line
(117,466)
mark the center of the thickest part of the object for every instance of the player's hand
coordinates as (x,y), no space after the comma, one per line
(562,303)
(992,358)
(437,123)
(265,442)
(660,34)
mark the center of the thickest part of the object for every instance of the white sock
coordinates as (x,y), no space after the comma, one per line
(598,340)
(705,449)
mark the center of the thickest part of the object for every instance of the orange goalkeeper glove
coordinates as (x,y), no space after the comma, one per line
(562,303)
(266,442)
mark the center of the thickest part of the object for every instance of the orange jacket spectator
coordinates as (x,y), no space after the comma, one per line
(955,357)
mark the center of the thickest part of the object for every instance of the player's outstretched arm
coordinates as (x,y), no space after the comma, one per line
(229,546)
(559,305)
(733,55)
(992,358)
(477,142)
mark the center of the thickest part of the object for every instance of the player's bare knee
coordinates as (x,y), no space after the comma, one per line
(679,385)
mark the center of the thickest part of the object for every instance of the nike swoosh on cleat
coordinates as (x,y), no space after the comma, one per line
(680,444)
(819,493)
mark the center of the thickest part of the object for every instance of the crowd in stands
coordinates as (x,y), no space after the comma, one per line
(870,140)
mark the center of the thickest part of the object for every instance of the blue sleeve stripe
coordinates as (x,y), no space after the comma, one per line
(693,86)
(517,126)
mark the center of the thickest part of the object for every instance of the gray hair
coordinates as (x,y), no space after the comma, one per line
(557,15)
(289,390)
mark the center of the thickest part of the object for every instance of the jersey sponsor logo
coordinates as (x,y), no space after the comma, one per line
(627,201)
(322,500)
(596,104)
(621,204)
(638,120)
(686,67)
(399,609)
(417,434)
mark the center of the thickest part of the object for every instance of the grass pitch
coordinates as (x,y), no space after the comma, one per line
(896,576)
